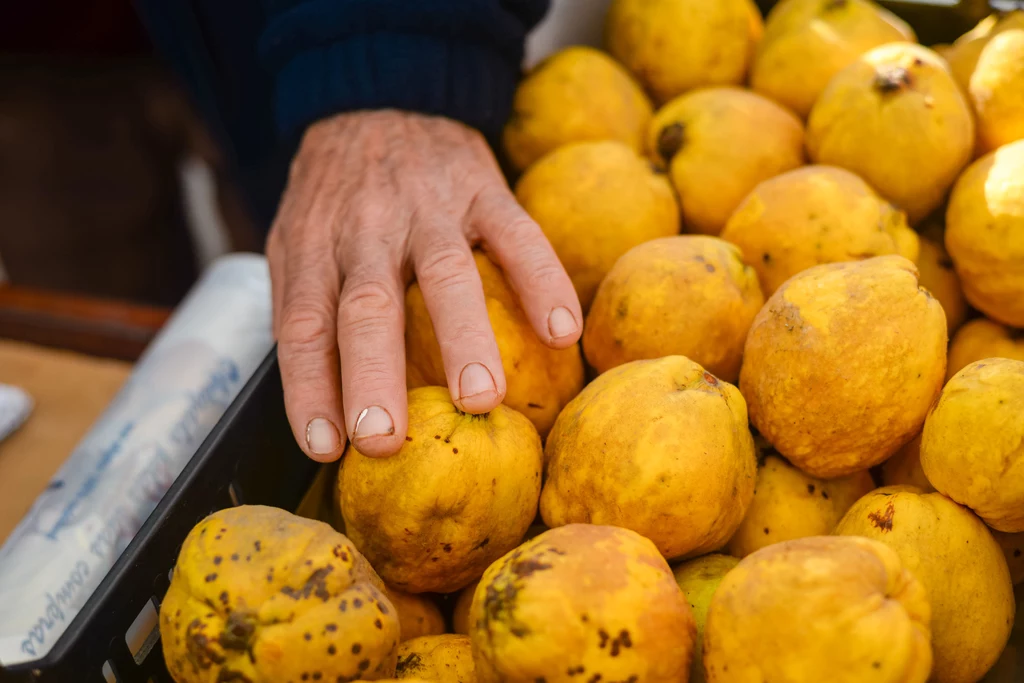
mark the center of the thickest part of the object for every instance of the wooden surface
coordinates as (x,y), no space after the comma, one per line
(70,391)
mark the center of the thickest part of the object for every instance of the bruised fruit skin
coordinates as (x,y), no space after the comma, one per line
(985,233)
(261,595)
(972,447)
(843,610)
(459,494)
(980,339)
(687,295)
(445,658)
(673,46)
(578,602)
(540,380)
(962,569)
(1013,550)
(815,215)
(699,579)
(674,432)
(842,364)
(460,614)
(578,94)
(790,504)
(997,91)
(904,468)
(807,42)
(938,276)
(963,54)
(896,118)
(418,615)
(718,144)
(595,201)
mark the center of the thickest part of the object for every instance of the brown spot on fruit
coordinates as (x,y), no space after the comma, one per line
(524,568)
(482,544)
(357,603)
(455,451)
(378,623)
(217,559)
(408,438)
(331,649)
(382,608)
(883,520)
(708,267)
(364,665)
(766,531)
(307,636)
(316,585)
(447,547)
(670,140)
(810,488)
(833,5)
(766,257)
(211,578)
(891,79)
(356,648)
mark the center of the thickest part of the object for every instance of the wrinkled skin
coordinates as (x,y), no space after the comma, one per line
(687,295)
(842,364)
(904,468)
(699,579)
(578,94)
(938,276)
(963,54)
(577,602)
(718,144)
(460,494)
(985,233)
(261,595)
(997,90)
(790,504)
(595,201)
(807,42)
(540,379)
(640,439)
(843,610)
(673,46)
(1013,550)
(962,568)
(418,615)
(444,658)
(979,339)
(815,215)
(883,116)
(972,447)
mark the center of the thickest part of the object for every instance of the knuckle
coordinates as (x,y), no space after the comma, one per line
(367,306)
(543,275)
(519,232)
(306,326)
(371,374)
(465,336)
(446,267)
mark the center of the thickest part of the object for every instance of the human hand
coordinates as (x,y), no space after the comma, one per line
(373,199)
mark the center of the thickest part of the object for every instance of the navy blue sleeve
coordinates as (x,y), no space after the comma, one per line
(457,58)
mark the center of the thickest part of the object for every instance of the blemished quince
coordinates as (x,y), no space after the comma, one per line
(962,568)
(938,276)
(997,90)
(904,468)
(699,579)
(842,364)
(673,46)
(687,295)
(985,233)
(898,119)
(539,380)
(718,144)
(814,215)
(1013,550)
(790,504)
(807,42)
(446,658)
(595,201)
(578,94)
(971,445)
(418,615)
(963,54)
(581,601)
(260,594)
(979,339)
(843,610)
(641,438)
(459,494)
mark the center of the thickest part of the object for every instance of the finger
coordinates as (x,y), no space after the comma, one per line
(531,266)
(454,296)
(276,264)
(371,325)
(308,353)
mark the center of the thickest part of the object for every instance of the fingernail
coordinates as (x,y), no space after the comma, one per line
(561,323)
(373,421)
(475,380)
(322,436)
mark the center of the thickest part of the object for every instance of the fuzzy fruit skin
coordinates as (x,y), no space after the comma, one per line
(444,658)
(985,233)
(673,46)
(1013,550)
(262,595)
(843,610)
(962,568)
(596,201)
(904,468)
(963,54)
(807,42)
(672,431)
(815,215)
(842,364)
(718,144)
(980,339)
(881,117)
(418,615)
(699,579)
(459,494)
(539,380)
(578,94)
(972,447)
(938,276)
(997,91)
(688,295)
(790,504)
(578,601)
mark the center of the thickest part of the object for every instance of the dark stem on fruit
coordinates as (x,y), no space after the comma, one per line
(238,631)
(670,140)
(892,79)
